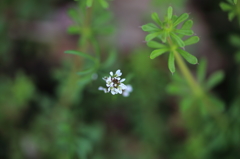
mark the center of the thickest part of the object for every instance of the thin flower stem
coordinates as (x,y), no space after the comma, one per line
(71,87)
(185,71)
(197,90)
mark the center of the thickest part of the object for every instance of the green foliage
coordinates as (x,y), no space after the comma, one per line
(21,90)
(50,106)
(232,7)
(171,34)
(235,40)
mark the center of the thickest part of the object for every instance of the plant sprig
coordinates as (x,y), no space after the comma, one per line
(170,32)
(232,8)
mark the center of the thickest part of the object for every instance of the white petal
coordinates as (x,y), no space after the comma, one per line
(113,92)
(101,88)
(118,73)
(123,86)
(117,78)
(125,94)
(122,80)
(129,88)
(120,91)
(111,73)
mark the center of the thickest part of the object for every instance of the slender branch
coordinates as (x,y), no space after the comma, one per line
(185,71)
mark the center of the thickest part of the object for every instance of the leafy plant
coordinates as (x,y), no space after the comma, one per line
(232,7)
(171,35)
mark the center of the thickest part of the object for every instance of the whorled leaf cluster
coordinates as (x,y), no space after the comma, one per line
(171,33)
(232,8)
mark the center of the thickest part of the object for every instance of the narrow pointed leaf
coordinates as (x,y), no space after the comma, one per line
(156,19)
(201,70)
(186,104)
(231,15)
(152,36)
(235,40)
(180,19)
(184,32)
(158,52)
(214,79)
(171,64)
(87,71)
(150,27)
(89,3)
(102,19)
(154,44)
(104,3)
(177,39)
(191,40)
(74,15)
(73,29)
(225,6)
(187,56)
(174,17)
(163,36)
(80,54)
(187,24)
(169,13)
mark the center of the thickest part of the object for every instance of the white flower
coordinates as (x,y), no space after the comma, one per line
(127,90)
(115,84)
(102,89)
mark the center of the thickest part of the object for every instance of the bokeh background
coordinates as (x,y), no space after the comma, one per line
(43,114)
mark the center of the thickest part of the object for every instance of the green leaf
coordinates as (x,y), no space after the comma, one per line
(80,54)
(184,32)
(158,52)
(169,12)
(180,19)
(156,19)
(87,71)
(177,39)
(171,64)
(163,36)
(104,4)
(231,15)
(237,57)
(89,3)
(74,29)
(225,6)
(152,36)
(154,44)
(150,27)
(102,19)
(191,40)
(214,79)
(235,1)
(74,15)
(187,24)
(189,57)
(186,104)
(201,70)
(174,17)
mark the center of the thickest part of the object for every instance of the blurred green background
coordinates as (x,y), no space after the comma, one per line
(43,114)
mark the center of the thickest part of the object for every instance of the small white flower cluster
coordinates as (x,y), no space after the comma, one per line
(115,86)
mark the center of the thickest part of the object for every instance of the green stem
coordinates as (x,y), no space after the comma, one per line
(185,71)
(71,87)
(197,90)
